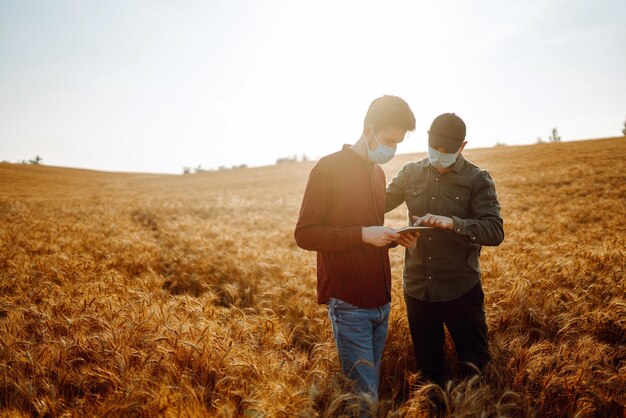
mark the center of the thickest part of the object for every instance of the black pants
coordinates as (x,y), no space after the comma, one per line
(465,319)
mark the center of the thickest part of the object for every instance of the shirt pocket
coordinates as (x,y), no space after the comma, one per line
(415,198)
(457,202)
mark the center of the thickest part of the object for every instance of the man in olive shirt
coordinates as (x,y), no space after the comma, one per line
(441,273)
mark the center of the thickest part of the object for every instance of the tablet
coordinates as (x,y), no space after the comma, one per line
(408,229)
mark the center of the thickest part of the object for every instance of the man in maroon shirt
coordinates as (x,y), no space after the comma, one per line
(341,218)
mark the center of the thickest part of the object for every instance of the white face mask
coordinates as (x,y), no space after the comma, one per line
(441,160)
(381,154)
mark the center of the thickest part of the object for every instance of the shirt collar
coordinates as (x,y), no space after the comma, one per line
(347,149)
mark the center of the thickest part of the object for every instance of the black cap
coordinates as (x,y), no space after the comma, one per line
(447,131)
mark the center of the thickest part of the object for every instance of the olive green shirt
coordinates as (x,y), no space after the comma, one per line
(444,264)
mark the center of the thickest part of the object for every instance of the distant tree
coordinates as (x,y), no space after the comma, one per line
(624,130)
(540,140)
(186,170)
(199,169)
(555,137)
(304,157)
(240,166)
(500,144)
(36,160)
(291,159)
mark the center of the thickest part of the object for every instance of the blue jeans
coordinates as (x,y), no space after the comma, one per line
(360,335)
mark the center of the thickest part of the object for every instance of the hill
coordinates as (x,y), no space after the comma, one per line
(129,294)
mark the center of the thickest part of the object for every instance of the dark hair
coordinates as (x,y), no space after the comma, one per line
(389,112)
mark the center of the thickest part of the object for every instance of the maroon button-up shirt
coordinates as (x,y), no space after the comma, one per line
(344,194)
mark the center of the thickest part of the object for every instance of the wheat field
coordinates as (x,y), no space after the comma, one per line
(185,295)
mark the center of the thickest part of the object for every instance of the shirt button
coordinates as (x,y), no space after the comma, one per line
(429,238)
(433,197)
(437,178)
(473,237)
(429,277)
(430,258)
(458,230)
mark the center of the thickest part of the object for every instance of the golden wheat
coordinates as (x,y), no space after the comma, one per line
(146,295)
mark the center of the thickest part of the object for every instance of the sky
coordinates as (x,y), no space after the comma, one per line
(155,86)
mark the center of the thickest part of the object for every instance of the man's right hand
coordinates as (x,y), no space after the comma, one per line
(378,235)
(438,221)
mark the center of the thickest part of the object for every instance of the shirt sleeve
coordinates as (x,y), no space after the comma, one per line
(311,233)
(486,225)
(394,196)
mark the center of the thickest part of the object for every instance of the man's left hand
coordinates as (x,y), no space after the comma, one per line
(408,240)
